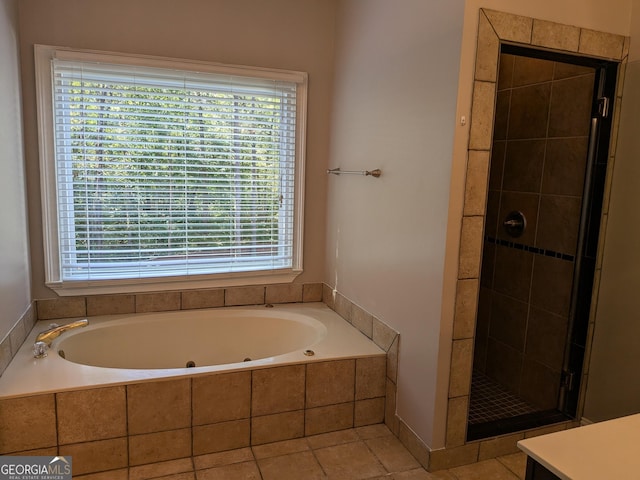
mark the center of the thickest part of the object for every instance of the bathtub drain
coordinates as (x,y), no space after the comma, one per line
(191,364)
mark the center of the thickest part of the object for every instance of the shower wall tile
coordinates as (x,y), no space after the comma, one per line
(208,298)
(220,398)
(476,183)
(480,132)
(488,49)
(529,71)
(368,412)
(558,223)
(501,119)
(527,203)
(504,364)
(284,293)
(461,363)
(159,406)
(330,383)
(570,113)
(31,422)
(505,71)
(546,338)
(159,446)
(236,296)
(457,411)
(465,309)
(312,292)
(328,418)
(110,304)
(555,35)
(551,284)
(508,27)
(540,385)
(157,302)
(470,247)
(370,378)
(279,389)
(93,414)
(277,427)
(493,213)
(220,437)
(497,165)
(513,271)
(568,70)
(508,321)
(601,44)
(89,457)
(61,307)
(564,166)
(482,329)
(523,165)
(529,111)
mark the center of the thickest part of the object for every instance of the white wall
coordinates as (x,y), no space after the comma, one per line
(393,109)
(15,295)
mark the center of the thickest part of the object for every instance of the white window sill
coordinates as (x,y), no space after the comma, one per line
(137,285)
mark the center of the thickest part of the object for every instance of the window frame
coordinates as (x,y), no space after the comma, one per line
(50,193)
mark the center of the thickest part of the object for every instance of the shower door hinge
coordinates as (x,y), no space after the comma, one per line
(603,107)
(568,380)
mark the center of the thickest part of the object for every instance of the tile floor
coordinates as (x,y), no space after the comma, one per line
(371,453)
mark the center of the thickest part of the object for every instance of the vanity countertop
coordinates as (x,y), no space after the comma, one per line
(597,451)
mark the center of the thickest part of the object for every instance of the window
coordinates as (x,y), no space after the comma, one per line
(160,171)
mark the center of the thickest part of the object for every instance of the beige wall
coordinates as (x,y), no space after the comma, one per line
(288,34)
(393,109)
(15,295)
(614,377)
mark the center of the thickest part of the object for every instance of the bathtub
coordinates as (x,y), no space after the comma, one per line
(125,349)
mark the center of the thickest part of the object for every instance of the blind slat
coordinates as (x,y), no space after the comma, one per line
(162,172)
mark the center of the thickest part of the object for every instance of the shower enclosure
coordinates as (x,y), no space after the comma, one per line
(547,176)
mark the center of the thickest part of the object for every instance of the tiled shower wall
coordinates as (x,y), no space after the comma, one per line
(538,161)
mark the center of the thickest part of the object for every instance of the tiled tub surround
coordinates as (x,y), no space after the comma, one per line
(12,342)
(110,427)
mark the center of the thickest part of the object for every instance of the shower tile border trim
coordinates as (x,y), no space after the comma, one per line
(494,29)
(529,248)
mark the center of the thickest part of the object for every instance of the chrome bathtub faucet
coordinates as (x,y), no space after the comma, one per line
(44,339)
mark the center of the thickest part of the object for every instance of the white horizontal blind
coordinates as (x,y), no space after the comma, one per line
(169,173)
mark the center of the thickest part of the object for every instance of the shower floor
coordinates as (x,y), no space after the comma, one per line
(490,401)
(493,410)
